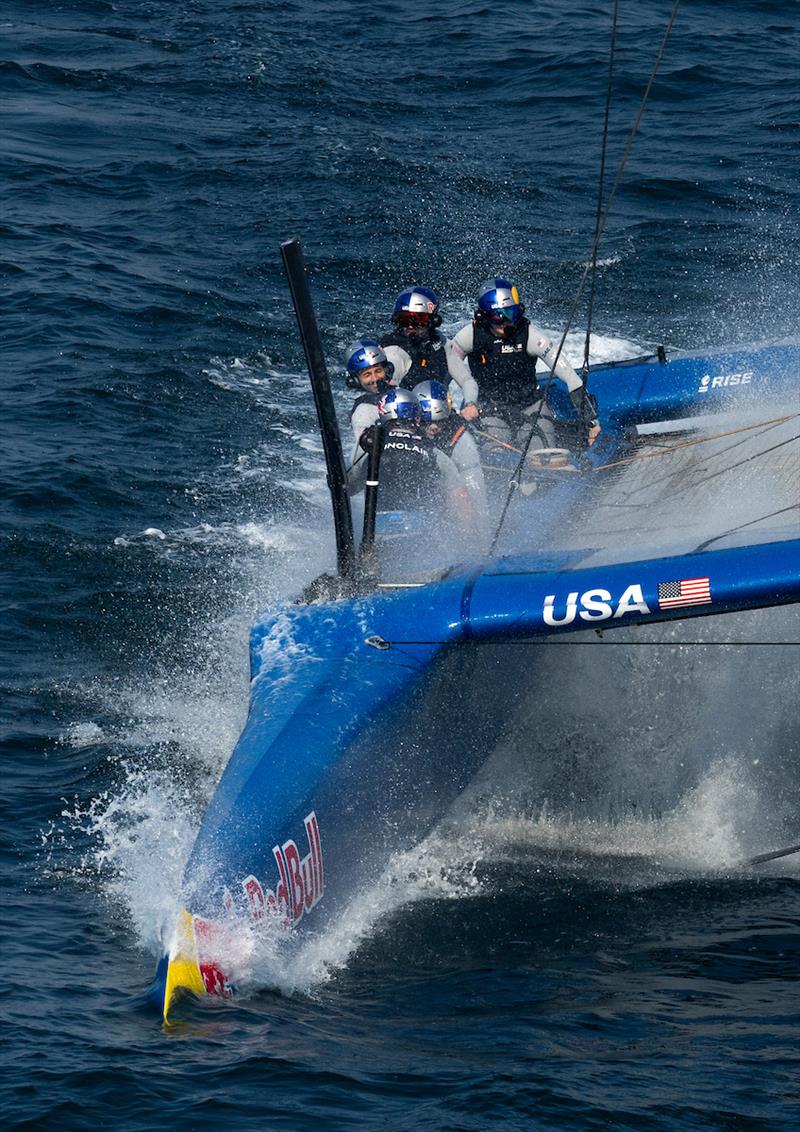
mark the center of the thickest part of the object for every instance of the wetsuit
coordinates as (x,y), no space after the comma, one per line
(363,414)
(506,373)
(420,357)
(457,442)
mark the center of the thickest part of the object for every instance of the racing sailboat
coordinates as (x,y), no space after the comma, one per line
(688,508)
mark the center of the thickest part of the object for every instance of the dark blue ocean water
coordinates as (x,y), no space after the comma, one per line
(591,965)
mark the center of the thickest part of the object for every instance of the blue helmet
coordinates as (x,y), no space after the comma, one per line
(499,303)
(364,353)
(398,405)
(417,308)
(361,355)
(434,400)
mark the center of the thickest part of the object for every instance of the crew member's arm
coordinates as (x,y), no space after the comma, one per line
(458,496)
(464,453)
(458,349)
(362,418)
(540,346)
(399,360)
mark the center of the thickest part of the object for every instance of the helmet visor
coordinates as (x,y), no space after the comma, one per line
(508,313)
(418,320)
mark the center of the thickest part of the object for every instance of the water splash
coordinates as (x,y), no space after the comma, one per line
(704,834)
(667,803)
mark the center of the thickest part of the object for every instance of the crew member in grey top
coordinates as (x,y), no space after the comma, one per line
(503,346)
(449,432)
(369,373)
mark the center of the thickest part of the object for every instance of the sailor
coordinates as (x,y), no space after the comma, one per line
(449,432)
(503,347)
(417,349)
(413,471)
(369,373)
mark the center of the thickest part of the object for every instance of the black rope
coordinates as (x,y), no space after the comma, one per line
(600,186)
(356,462)
(690,487)
(748,459)
(598,236)
(734,530)
(602,644)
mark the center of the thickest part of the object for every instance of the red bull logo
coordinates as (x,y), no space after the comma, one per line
(210,941)
(301,880)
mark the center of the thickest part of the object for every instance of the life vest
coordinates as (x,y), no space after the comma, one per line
(367,399)
(503,368)
(451,432)
(409,475)
(427,353)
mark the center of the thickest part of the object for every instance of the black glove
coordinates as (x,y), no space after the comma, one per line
(367,438)
(585,406)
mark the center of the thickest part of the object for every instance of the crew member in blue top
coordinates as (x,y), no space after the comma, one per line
(502,346)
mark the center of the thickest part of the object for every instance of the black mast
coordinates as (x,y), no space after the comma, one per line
(295,268)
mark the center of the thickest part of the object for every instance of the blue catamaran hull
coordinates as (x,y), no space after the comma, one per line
(370,715)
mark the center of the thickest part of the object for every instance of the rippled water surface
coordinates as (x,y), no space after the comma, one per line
(588,960)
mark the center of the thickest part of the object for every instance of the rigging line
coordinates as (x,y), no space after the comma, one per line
(690,443)
(747,460)
(694,483)
(355,463)
(502,443)
(598,236)
(689,478)
(416,662)
(761,519)
(600,186)
(681,470)
(762,858)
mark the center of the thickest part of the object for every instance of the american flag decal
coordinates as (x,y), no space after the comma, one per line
(689,591)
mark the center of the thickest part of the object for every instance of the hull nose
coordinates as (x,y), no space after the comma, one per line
(190,965)
(181,969)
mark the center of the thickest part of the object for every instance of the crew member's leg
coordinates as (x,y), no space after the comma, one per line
(537,419)
(497,428)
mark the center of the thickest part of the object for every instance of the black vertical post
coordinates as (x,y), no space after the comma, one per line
(371,495)
(295,268)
